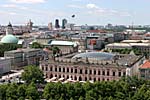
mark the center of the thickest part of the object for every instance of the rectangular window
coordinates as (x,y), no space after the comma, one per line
(59,69)
(108,73)
(119,74)
(94,72)
(71,70)
(90,71)
(99,72)
(55,69)
(80,71)
(63,69)
(67,69)
(86,71)
(103,72)
(114,74)
(124,73)
(75,70)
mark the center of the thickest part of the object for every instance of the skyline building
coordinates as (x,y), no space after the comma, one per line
(64,22)
(50,26)
(57,23)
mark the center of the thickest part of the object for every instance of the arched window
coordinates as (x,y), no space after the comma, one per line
(80,78)
(94,79)
(75,78)
(85,78)
(51,75)
(59,76)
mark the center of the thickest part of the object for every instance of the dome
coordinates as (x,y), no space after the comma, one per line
(9,39)
(96,55)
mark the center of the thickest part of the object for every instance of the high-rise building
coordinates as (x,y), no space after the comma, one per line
(64,22)
(50,26)
(57,23)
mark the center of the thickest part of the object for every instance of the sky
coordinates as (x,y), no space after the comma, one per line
(90,12)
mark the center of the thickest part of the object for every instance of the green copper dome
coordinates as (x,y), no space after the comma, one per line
(9,39)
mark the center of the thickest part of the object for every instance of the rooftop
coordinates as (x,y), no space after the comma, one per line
(146,65)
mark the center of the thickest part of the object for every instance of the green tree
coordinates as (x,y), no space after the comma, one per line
(36,45)
(32,92)
(11,92)
(21,91)
(33,74)
(3,91)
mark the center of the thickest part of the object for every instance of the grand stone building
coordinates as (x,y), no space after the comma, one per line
(93,66)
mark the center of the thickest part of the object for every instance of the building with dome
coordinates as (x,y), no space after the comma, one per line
(9,37)
(92,66)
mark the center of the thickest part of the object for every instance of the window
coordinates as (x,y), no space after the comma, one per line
(113,73)
(99,72)
(94,72)
(94,79)
(108,73)
(59,69)
(124,73)
(80,71)
(85,78)
(80,79)
(75,70)
(56,69)
(42,68)
(90,71)
(103,72)
(67,69)
(71,70)
(46,69)
(119,74)
(75,78)
(67,76)
(59,76)
(86,71)
(51,69)
(63,69)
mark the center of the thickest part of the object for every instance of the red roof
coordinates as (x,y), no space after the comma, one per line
(146,65)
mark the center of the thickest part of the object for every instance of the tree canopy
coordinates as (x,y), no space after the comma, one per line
(36,45)
(127,88)
(8,47)
(32,74)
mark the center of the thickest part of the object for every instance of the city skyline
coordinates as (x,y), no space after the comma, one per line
(91,12)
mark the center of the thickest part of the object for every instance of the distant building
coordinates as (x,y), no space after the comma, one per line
(30,25)
(50,26)
(94,43)
(5,65)
(9,37)
(57,23)
(92,66)
(66,47)
(24,57)
(145,70)
(64,22)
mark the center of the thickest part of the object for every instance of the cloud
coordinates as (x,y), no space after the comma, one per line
(93,9)
(92,6)
(75,6)
(14,6)
(28,1)
(9,6)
